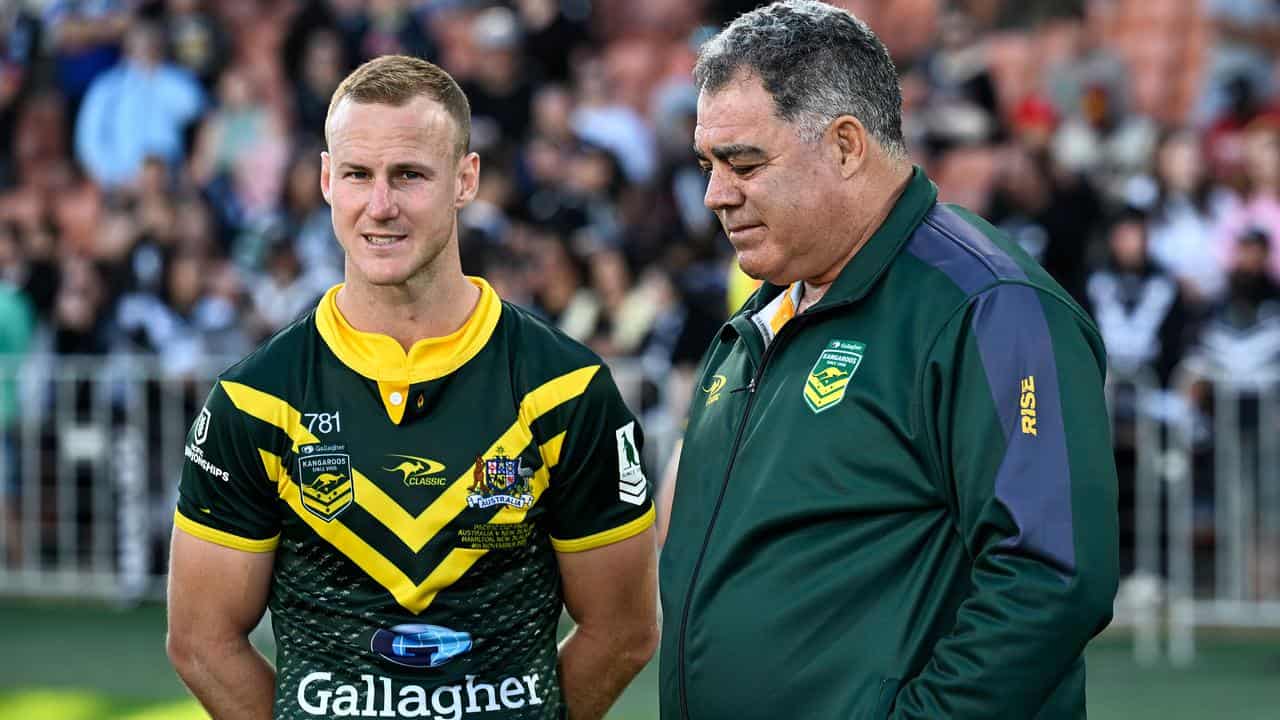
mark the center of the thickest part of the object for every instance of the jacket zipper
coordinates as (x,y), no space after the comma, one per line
(715,513)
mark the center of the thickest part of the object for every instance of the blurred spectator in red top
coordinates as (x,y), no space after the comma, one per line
(1034,122)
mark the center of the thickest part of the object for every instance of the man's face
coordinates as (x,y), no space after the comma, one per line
(395,187)
(1129,245)
(765,184)
(1250,259)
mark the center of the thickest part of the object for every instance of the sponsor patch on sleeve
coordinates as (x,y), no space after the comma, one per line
(632,487)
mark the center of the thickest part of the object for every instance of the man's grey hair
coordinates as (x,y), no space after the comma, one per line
(818,62)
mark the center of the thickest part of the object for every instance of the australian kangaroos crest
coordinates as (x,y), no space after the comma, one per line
(825,386)
(324,481)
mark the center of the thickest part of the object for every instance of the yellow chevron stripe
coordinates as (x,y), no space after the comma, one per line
(460,560)
(827,389)
(555,392)
(551,450)
(326,497)
(416,531)
(271,410)
(327,508)
(414,597)
(819,400)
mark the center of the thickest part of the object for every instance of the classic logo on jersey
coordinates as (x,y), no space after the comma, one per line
(500,480)
(419,646)
(324,481)
(202,426)
(825,386)
(713,388)
(632,486)
(417,471)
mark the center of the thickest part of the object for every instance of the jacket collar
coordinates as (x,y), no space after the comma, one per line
(862,271)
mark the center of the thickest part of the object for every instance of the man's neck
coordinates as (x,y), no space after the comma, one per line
(409,314)
(894,181)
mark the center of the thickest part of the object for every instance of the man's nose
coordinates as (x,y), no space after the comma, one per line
(382,201)
(722,191)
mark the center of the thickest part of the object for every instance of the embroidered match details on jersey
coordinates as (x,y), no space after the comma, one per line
(1027,404)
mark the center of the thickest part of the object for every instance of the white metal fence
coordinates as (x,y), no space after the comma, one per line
(1203,462)
(89,461)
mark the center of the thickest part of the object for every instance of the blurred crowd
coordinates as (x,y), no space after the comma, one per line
(159,164)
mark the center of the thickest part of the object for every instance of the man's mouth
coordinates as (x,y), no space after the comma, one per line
(382,240)
(738,230)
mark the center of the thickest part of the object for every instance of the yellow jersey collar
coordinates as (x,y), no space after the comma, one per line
(379,357)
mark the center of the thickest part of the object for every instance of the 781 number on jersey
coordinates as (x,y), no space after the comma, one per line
(323,422)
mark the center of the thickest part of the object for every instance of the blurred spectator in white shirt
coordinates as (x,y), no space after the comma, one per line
(1183,206)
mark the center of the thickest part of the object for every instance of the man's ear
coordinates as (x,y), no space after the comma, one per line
(325,164)
(468,179)
(852,143)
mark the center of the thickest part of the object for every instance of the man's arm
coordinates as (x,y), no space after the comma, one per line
(1024,443)
(216,597)
(611,592)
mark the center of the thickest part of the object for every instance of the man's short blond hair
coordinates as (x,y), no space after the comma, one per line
(398,79)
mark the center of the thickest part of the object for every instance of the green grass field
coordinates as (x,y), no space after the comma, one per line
(62,662)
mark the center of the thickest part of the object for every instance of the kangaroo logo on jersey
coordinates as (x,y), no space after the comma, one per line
(324,480)
(827,381)
(418,470)
(632,486)
(500,480)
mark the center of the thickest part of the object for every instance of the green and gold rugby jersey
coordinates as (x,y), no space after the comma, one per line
(416,503)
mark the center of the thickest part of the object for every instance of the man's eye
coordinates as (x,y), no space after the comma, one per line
(411,175)
(744,169)
(356,174)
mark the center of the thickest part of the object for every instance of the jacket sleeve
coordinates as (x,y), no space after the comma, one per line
(1013,397)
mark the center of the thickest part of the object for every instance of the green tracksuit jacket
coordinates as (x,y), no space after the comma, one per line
(904,504)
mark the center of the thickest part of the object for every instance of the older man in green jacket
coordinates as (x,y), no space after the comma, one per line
(897,496)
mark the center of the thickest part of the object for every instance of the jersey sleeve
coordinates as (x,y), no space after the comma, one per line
(224,494)
(599,491)
(1013,397)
